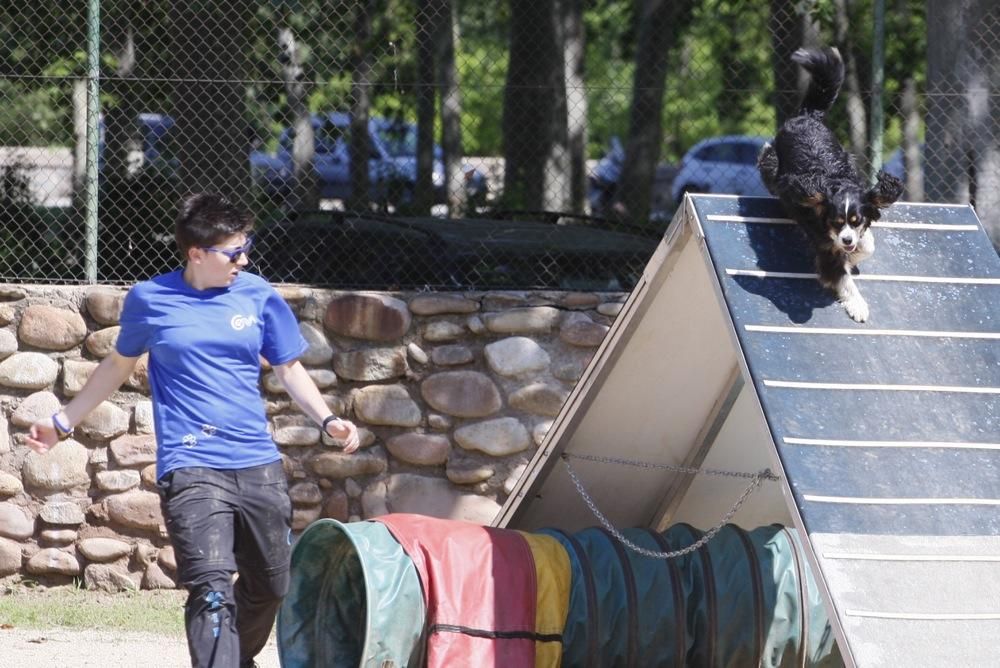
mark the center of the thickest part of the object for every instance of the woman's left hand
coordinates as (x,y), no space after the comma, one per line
(346,432)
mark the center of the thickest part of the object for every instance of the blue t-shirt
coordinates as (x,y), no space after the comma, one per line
(204,368)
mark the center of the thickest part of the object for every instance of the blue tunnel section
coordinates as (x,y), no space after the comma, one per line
(742,599)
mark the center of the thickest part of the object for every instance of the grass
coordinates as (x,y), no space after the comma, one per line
(25,605)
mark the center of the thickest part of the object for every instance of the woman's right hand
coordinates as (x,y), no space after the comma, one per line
(42,435)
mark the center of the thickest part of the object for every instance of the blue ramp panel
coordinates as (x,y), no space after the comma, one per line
(888,431)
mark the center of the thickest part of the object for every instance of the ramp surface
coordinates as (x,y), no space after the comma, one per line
(887,432)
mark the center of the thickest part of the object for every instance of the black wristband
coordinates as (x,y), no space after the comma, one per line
(328,420)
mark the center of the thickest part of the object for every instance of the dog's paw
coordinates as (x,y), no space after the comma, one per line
(857,308)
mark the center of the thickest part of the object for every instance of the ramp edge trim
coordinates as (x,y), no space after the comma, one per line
(888,224)
(847,331)
(895,278)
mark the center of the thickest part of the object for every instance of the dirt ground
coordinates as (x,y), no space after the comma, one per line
(71,627)
(56,648)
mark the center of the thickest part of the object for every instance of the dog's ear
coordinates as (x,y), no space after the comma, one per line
(887,189)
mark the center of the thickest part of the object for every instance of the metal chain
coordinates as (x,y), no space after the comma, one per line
(756,480)
(765,474)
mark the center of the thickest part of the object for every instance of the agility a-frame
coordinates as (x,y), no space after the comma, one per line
(729,355)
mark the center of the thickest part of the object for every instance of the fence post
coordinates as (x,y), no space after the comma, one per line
(93,122)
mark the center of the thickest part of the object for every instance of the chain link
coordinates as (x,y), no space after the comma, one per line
(523,131)
(755,478)
(766,473)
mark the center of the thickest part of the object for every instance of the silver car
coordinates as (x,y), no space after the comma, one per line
(726,164)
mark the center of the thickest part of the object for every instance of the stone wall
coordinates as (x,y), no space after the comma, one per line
(452,392)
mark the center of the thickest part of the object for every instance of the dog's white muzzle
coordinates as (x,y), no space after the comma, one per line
(848,239)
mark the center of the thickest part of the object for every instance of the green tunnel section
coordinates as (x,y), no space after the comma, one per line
(743,598)
(354,600)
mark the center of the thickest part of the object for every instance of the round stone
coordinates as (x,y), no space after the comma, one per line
(51,328)
(103,549)
(367,316)
(53,561)
(420,449)
(499,437)
(466,394)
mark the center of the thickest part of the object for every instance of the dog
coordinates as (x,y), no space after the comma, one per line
(819,184)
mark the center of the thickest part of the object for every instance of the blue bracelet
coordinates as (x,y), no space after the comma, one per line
(60,427)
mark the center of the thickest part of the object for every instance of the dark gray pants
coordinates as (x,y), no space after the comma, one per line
(223,522)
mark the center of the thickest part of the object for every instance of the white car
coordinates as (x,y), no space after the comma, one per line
(726,164)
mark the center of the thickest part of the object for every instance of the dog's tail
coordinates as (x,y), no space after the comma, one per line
(826,69)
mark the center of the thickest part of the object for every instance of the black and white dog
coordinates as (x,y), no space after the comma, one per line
(819,184)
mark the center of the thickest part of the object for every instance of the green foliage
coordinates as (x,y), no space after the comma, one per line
(900,55)
(724,77)
(610,32)
(34,114)
(608,110)
(719,79)
(609,70)
(481,80)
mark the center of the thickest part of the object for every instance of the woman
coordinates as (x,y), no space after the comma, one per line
(222,487)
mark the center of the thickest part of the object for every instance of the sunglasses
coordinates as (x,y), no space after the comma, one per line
(233,253)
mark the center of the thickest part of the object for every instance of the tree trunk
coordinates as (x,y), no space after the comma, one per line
(304,194)
(79,143)
(361,70)
(984,93)
(660,22)
(576,102)
(786,28)
(536,172)
(429,16)
(963,131)
(211,43)
(912,152)
(451,113)
(851,92)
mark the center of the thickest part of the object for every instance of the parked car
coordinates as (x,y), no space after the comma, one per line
(392,163)
(726,164)
(896,165)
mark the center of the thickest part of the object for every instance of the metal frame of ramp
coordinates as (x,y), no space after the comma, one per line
(886,434)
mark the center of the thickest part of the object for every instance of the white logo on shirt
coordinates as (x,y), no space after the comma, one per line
(190,440)
(240,322)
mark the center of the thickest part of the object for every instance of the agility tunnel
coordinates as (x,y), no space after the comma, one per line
(410,590)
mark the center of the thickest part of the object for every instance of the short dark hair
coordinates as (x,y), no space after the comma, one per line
(204,219)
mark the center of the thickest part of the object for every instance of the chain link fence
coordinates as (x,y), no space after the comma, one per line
(439,144)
